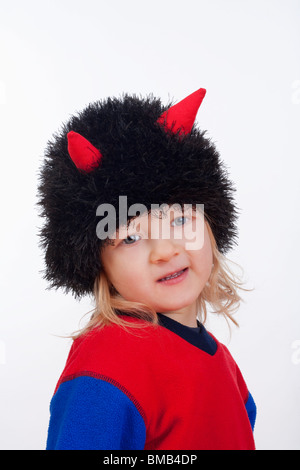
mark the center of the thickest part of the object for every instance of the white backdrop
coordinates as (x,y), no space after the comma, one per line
(56,57)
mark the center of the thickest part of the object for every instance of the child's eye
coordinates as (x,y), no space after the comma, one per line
(180,219)
(129,238)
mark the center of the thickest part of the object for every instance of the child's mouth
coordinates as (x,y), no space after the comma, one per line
(174,278)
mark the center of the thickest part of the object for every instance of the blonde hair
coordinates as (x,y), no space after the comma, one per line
(220,292)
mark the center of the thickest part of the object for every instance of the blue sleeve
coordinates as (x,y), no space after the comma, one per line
(251,410)
(88,413)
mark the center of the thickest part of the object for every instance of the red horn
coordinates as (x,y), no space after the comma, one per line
(183,114)
(85,156)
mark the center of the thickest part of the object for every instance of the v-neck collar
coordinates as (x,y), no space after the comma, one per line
(201,339)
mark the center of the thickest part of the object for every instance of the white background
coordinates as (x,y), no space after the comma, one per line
(56,57)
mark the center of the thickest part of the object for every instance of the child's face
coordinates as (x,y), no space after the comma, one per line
(142,255)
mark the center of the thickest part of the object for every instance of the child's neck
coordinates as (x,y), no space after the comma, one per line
(186,316)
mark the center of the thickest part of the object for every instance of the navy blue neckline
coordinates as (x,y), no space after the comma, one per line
(201,339)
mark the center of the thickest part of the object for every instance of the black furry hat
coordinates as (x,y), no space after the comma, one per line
(134,147)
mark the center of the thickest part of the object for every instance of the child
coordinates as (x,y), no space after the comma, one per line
(144,373)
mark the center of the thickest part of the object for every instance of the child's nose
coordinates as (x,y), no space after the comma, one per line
(163,250)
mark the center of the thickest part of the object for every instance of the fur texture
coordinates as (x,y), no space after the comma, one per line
(140,160)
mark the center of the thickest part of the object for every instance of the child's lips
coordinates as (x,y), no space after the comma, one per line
(176,279)
(171,273)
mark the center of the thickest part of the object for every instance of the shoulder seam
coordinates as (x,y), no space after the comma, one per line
(105,378)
